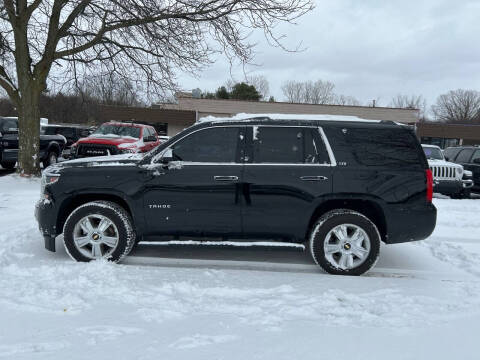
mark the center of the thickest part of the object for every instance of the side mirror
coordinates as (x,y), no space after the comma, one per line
(476,161)
(167,156)
(151,138)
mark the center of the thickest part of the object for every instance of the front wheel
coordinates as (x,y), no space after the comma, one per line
(345,242)
(51,159)
(8,165)
(98,230)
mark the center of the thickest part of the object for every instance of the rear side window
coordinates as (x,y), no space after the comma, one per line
(451,153)
(288,145)
(208,145)
(464,155)
(384,147)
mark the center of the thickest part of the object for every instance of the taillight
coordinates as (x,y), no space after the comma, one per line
(429,175)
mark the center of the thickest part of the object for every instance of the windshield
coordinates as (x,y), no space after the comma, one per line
(433,153)
(117,131)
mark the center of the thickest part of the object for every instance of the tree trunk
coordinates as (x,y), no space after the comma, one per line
(29,133)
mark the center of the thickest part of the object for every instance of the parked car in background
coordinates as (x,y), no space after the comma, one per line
(448,178)
(51,146)
(114,138)
(339,187)
(469,158)
(72,134)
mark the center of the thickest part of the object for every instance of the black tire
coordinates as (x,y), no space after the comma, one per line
(466,194)
(52,158)
(327,222)
(8,165)
(116,214)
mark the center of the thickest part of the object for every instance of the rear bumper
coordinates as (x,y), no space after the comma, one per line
(410,223)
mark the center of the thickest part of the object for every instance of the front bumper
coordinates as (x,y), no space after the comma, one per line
(45,215)
(448,187)
(467,184)
(9,155)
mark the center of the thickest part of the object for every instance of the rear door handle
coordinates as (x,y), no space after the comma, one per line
(225,178)
(313,178)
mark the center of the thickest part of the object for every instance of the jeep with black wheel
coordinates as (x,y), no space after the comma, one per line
(339,186)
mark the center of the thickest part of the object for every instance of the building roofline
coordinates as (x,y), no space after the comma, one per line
(293,103)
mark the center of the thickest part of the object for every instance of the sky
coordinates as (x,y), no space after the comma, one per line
(370,49)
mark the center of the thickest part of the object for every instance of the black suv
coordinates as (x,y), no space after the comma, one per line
(51,146)
(469,158)
(340,187)
(71,132)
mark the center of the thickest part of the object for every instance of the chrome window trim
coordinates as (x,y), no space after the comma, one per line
(333,161)
(189,163)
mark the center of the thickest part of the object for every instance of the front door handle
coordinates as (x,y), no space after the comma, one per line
(313,178)
(225,178)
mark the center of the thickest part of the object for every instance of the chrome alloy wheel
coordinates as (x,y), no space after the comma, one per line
(346,246)
(95,236)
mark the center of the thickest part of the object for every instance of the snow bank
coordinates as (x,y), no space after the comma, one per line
(421,301)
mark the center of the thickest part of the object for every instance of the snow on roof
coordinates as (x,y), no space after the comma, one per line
(431,146)
(247,116)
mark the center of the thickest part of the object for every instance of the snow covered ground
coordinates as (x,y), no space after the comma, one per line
(421,301)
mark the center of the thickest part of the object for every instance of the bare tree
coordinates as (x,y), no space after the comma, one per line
(110,90)
(261,85)
(346,100)
(410,102)
(293,91)
(147,40)
(460,106)
(318,92)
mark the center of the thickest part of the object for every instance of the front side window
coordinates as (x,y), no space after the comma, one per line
(288,145)
(476,155)
(109,130)
(218,145)
(464,155)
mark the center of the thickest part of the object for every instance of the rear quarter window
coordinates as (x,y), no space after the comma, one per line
(376,147)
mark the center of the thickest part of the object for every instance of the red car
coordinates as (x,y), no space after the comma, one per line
(114,138)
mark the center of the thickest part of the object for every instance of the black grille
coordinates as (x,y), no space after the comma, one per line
(88,150)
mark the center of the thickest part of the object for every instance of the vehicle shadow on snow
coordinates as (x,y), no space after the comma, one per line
(395,260)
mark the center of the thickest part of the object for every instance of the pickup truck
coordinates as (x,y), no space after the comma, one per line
(51,146)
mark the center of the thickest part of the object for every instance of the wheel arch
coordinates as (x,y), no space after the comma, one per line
(69,205)
(368,207)
(53,146)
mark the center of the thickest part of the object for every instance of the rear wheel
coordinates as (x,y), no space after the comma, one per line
(98,230)
(7,165)
(345,242)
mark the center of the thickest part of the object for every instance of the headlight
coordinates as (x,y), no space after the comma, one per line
(459,170)
(467,174)
(128,151)
(48,179)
